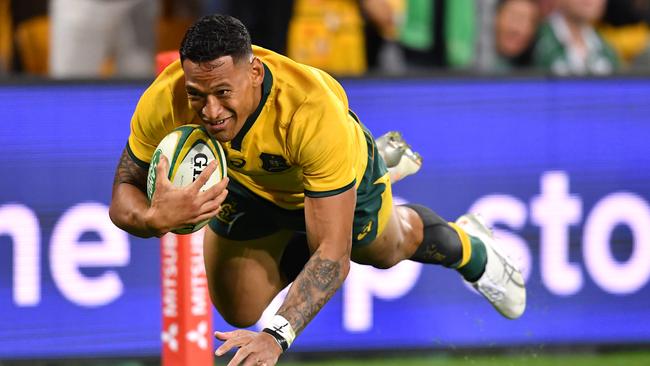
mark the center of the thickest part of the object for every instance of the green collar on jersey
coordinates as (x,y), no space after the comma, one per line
(266,90)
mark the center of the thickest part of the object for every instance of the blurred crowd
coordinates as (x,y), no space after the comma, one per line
(123,38)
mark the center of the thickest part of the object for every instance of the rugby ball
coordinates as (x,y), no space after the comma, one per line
(188,149)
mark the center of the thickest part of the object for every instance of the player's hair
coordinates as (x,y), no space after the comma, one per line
(214,36)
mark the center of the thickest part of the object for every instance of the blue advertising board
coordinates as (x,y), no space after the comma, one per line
(560,168)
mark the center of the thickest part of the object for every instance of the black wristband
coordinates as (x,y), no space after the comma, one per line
(278,338)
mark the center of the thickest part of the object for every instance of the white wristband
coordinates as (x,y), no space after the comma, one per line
(283,328)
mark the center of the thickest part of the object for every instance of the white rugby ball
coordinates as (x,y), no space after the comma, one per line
(188,149)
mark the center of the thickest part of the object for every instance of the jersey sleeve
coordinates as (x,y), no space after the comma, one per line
(152,120)
(141,144)
(321,142)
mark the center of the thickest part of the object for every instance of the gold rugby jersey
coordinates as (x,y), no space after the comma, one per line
(300,141)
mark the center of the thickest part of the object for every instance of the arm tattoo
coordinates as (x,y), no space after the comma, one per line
(315,285)
(129,172)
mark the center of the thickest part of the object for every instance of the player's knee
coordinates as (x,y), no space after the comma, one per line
(387,261)
(235,314)
(240,318)
(239,322)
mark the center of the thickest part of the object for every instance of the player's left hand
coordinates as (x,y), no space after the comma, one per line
(255,348)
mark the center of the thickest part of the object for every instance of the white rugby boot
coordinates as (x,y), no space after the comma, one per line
(502,283)
(398,155)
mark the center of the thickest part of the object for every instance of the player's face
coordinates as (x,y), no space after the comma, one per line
(224,93)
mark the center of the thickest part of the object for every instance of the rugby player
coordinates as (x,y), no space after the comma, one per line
(308,190)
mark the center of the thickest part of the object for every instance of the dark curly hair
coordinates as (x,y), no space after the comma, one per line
(214,36)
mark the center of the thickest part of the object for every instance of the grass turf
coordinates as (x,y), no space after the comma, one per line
(635,358)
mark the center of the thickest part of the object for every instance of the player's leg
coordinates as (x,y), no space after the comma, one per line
(401,160)
(384,235)
(396,241)
(251,254)
(502,282)
(416,232)
(244,276)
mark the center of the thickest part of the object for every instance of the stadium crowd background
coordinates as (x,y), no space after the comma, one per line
(98,38)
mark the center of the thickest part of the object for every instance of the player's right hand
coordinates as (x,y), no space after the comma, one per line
(172,207)
(253,348)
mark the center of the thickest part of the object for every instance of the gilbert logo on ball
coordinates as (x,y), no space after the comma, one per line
(188,149)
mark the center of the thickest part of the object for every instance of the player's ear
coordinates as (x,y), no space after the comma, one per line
(257,71)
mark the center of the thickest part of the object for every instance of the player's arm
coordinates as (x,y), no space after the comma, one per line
(129,203)
(171,207)
(324,146)
(329,233)
(320,141)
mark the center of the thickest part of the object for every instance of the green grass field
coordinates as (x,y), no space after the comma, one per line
(636,358)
